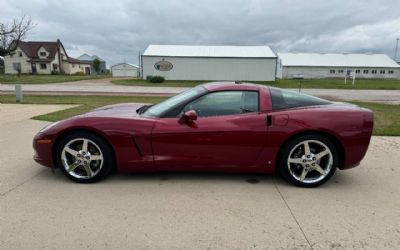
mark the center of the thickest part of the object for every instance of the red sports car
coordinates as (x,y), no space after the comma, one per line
(225,127)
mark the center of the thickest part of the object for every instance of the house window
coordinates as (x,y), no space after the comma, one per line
(73,65)
(20,53)
(365,71)
(374,71)
(382,71)
(42,53)
(390,71)
(43,66)
(340,71)
(332,71)
(358,71)
(17,66)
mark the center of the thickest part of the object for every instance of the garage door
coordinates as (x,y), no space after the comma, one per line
(124,72)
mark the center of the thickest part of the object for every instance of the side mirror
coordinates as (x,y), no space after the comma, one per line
(190,115)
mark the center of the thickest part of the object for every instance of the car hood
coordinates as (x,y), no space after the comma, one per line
(116,110)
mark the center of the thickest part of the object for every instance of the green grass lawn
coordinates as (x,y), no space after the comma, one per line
(141,82)
(38,79)
(86,103)
(282,83)
(387,117)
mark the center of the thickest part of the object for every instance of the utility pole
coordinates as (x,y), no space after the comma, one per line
(140,66)
(395,51)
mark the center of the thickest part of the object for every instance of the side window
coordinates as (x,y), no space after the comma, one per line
(282,99)
(225,103)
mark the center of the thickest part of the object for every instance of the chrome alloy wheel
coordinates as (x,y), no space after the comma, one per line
(82,158)
(310,161)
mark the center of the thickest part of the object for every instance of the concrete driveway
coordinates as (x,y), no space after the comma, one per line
(357,208)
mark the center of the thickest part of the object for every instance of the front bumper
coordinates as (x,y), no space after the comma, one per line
(43,146)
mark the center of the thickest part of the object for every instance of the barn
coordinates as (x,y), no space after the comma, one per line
(124,70)
(321,65)
(184,62)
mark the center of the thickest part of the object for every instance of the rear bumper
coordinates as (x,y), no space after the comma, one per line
(355,150)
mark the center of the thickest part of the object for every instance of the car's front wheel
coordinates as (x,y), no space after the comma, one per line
(84,157)
(308,160)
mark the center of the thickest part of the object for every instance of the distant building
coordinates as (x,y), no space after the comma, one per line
(43,58)
(321,65)
(182,62)
(102,70)
(124,70)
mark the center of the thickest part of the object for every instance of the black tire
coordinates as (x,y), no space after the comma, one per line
(283,165)
(107,153)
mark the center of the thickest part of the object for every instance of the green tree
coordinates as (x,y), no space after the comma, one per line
(96,65)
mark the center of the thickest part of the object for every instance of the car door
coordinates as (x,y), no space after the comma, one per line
(229,132)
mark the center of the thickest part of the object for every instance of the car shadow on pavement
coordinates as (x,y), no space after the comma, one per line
(252,179)
(341,178)
(156,177)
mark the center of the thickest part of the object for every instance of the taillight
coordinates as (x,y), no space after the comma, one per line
(368,120)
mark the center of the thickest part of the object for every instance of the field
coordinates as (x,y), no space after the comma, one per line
(282,83)
(387,118)
(40,79)
(85,103)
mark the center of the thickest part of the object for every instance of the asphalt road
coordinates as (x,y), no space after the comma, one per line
(357,208)
(102,88)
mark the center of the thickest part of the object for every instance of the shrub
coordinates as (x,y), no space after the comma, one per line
(80,73)
(156,79)
(55,72)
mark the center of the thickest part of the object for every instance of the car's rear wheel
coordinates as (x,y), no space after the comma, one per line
(308,161)
(84,157)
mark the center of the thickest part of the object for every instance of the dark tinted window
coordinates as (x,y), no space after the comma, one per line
(225,103)
(282,99)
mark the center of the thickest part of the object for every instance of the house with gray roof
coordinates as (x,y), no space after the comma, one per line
(87,57)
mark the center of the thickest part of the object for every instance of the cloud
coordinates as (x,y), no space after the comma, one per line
(377,37)
(118,30)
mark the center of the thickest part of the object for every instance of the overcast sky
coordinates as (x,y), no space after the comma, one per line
(116,30)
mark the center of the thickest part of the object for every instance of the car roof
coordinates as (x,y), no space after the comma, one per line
(218,86)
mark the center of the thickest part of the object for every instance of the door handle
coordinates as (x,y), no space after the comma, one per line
(268,120)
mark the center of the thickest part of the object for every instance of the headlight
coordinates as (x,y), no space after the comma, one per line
(48,126)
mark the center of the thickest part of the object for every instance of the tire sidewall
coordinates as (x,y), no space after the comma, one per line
(283,157)
(104,147)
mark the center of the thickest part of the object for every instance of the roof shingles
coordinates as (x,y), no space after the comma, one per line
(31,49)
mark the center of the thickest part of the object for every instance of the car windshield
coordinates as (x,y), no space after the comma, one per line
(158,109)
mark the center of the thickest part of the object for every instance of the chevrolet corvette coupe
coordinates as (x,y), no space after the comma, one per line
(223,127)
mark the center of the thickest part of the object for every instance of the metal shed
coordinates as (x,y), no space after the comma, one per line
(184,62)
(124,70)
(336,65)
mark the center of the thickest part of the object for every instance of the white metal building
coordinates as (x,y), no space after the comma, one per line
(183,62)
(321,65)
(124,70)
